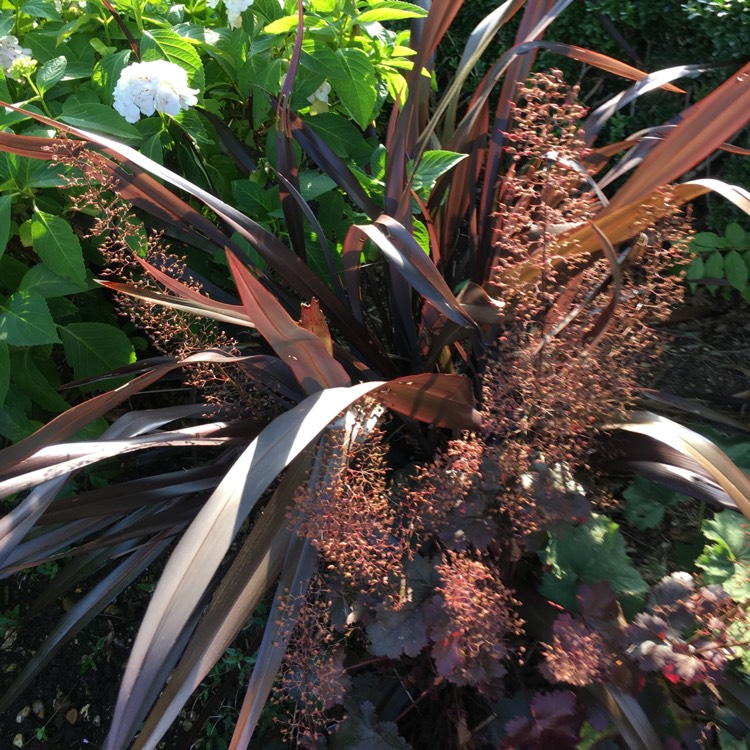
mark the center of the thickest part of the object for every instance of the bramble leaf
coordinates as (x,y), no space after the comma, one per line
(735,270)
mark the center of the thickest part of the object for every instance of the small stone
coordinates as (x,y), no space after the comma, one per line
(38,708)
(18,740)
(22,714)
(72,716)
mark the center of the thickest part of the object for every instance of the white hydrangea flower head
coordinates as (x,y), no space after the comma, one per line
(320,94)
(10,51)
(235,8)
(319,99)
(148,87)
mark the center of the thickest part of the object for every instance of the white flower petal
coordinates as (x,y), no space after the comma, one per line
(148,87)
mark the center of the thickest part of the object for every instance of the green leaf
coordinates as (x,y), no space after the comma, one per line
(705,241)
(696,270)
(36,174)
(727,561)
(152,148)
(5,201)
(646,501)
(391,10)
(51,73)
(94,348)
(289,23)
(4,371)
(56,244)
(107,73)
(357,91)
(433,165)
(194,126)
(589,553)
(15,425)
(421,235)
(314,184)
(40,9)
(736,270)
(41,280)
(714,267)
(28,378)
(99,118)
(735,235)
(322,60)
(165,44)
(343,137)
(25,320)
(254,200)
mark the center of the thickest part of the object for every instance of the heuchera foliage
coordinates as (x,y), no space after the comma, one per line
(406,550)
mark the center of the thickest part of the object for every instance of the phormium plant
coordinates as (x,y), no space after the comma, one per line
(415,551)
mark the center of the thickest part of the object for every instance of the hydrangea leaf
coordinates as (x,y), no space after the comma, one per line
(25,320)
(28,378)
(56,244)
(93,348)
(100,118)
(15,424)
(40,279)
(357,92)
(591,552)
(165,44)
(50,73)
(727,560)
(391,10)
(4,371)
(433,165)
(5,201)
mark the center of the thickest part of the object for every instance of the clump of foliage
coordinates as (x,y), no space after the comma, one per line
(721,259)
(408,392)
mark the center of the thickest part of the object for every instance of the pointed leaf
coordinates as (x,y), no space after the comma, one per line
(408,259)
(25,320)
(704,127)
(436,398)
(297,347)
(199,553)
(255,567)
(708,458)
(93,348)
